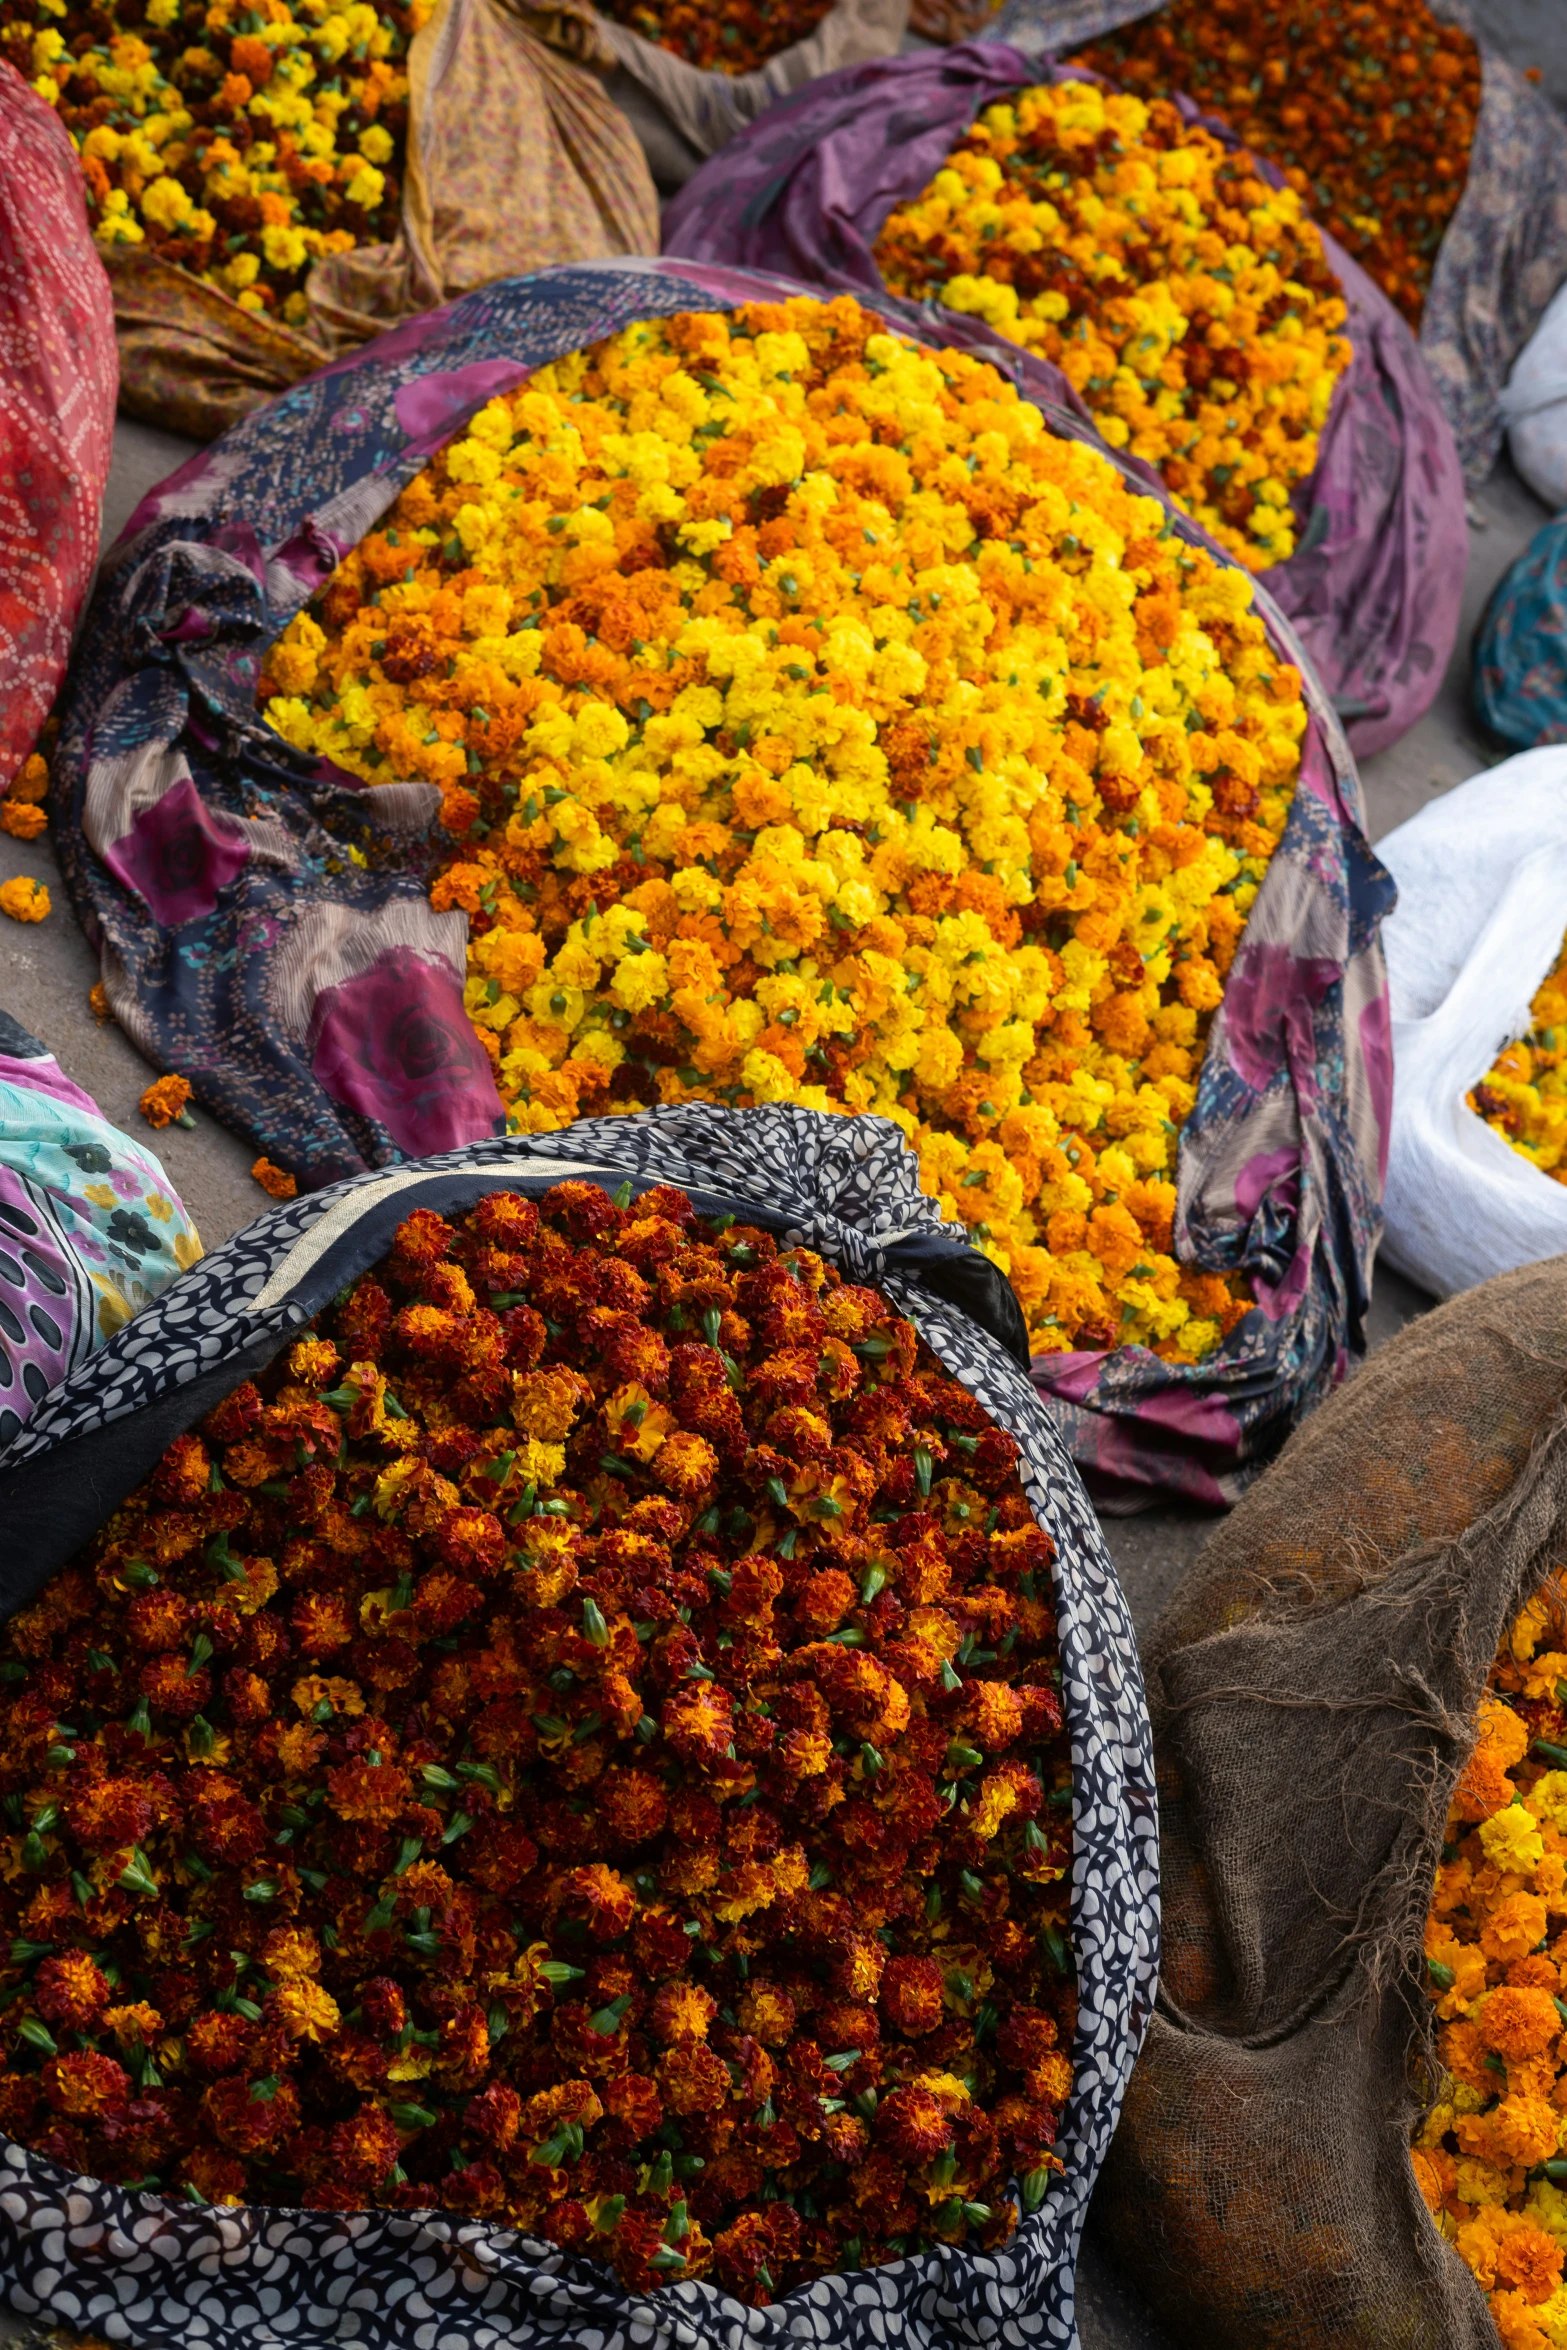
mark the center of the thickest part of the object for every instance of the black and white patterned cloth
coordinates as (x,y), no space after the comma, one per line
(143,2271)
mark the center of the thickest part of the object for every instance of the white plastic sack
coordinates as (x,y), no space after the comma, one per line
(1482,907)
(1534,407)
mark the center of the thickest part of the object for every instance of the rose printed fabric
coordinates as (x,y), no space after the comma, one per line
(265,927)
(90,1227)
(138,2269)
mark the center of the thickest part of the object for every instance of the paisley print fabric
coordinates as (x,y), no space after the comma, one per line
(96,2258)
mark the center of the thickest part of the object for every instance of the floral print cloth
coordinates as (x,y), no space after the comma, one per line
(90,1227)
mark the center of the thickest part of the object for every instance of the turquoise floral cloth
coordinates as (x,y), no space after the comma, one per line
(91,1228)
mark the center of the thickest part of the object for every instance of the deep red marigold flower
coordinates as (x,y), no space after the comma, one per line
(69,1990)
(516,1761)
(86,2086)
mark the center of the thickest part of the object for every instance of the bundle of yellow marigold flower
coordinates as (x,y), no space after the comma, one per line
(830,732)
(1488,2155)
(577,1742)
(1523,1095)
(1187,301)
(238,142)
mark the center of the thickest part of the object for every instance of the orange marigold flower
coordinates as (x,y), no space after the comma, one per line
(217,2177)
(375,1792)
(1514,1927)
(164,1101)
(363,2149)
(692,2079)
(911,1996)
(1530,2260)
(600,1897)
(22,820)
(273,1180)
(681,2011)
(698,1721)
(686,1465)
(1519,2023)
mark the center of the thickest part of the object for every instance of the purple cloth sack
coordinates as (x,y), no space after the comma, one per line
(1375,584)
(314,998)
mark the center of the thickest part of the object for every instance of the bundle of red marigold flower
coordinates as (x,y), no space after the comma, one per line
(1370,109)
(733,39)
(578,1742)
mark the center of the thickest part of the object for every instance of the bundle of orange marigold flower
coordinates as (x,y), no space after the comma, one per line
(578,1742)
(1370,108)
(1488,2157)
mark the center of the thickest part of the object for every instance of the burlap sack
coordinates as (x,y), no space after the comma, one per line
(1313,1688)
(516,159)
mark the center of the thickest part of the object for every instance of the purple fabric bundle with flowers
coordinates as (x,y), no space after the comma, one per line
(265,926)
(1375,584)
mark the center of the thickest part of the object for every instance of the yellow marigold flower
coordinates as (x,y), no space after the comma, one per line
(1523,1096)
(305,2011)
(1511,1839)
(1184,298)
(365,186)
(926,785)
(24,899)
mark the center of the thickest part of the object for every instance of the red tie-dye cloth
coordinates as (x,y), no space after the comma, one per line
(59,379)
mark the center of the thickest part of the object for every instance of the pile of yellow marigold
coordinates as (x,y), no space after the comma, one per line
(1487,2157)
(1186,300)
(824,730)
(1524,1092)
(242,143)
